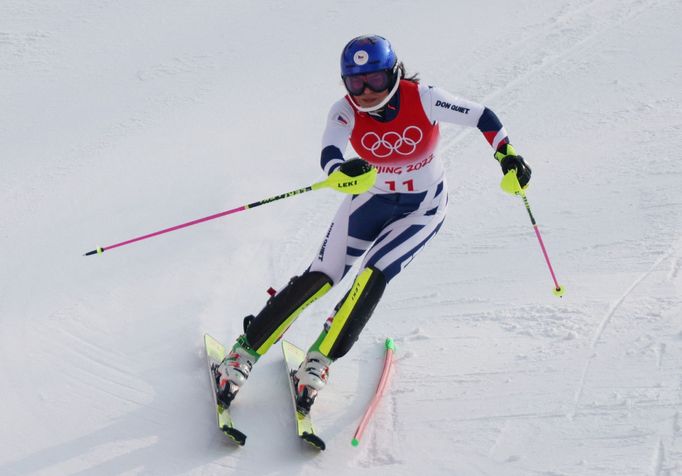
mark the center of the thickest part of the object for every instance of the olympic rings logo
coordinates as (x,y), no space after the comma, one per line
(392,142)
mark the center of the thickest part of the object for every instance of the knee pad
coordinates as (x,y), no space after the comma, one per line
(353,312)
(284,307)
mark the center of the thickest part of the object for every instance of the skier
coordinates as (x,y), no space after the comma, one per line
(392,122)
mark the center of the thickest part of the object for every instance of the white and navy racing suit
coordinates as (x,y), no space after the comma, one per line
(406,207)
(389,224)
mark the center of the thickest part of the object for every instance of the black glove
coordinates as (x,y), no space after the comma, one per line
(508,159)
(355,167)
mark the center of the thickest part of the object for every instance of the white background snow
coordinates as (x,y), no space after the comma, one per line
(122,118)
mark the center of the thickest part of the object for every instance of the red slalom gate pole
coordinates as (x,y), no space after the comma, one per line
(388,361)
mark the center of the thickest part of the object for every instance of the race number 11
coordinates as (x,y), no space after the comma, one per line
(408,184)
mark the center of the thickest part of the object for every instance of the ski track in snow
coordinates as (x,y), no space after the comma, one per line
(604,323)
(614,307)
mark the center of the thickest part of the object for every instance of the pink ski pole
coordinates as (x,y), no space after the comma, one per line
(388,360)
(102,249)
(558,290)
(336,181)
(510,184)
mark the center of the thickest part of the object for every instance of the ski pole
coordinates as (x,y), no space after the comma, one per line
(510,184)
(388,360)
(337,181)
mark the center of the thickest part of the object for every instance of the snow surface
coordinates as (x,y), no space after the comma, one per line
(121,118)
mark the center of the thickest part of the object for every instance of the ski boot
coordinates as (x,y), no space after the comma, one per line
(309,379)
(233,371)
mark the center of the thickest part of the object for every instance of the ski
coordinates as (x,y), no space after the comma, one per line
(215,353)
(293,356)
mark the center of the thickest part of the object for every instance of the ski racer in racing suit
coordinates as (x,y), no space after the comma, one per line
(393,125)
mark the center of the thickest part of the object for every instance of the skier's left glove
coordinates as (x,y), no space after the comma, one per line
(509,159)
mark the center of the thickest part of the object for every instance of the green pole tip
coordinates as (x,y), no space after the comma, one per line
(390,344)
(355,442)
(559,291)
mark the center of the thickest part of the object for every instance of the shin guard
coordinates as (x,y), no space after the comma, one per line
(352,314)
(284,307)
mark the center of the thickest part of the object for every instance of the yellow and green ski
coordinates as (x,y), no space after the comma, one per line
(215,353)
(293,356)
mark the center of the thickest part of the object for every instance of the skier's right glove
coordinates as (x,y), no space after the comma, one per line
(355,167)
(354,176)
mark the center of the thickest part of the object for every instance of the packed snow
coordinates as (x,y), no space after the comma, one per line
(122,118)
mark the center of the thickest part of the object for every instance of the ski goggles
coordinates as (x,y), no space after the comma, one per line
(377,82)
